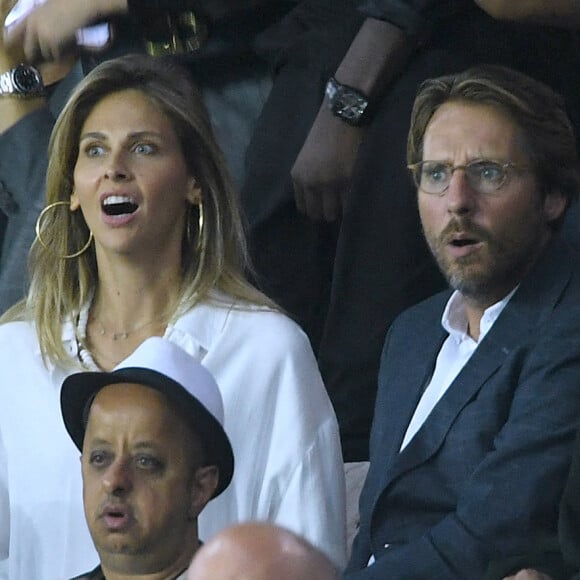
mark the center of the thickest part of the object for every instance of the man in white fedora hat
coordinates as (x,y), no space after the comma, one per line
(154,452)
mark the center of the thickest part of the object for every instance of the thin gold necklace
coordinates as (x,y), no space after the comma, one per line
(125,334)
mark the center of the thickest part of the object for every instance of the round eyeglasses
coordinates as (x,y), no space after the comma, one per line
(483,175)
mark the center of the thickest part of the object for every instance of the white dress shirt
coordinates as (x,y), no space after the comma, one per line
(454,354)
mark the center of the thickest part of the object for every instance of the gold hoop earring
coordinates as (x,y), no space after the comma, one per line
(45,245)
(199,244)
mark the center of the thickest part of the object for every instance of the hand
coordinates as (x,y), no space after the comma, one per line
(322,172)
(47,33)
(12,55)
(8,57)
(528,574)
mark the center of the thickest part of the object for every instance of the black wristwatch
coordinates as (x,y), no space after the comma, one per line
(22,81)
(347,103)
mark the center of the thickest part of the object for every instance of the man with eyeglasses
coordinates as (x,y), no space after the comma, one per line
(479,386)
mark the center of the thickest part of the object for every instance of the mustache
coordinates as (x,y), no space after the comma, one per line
(462,226)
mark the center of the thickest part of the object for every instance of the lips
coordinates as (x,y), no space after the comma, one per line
(461,240)
(117,517)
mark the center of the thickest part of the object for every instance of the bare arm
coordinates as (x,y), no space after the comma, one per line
(323,169)
(13,109)
(564,13)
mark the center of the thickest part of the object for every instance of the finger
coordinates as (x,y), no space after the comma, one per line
(30,47)
(12,35)
(8,22)
(47,51)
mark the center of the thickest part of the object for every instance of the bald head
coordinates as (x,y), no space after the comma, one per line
(259,551)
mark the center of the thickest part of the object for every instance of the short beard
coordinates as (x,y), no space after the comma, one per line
(476,289)
(508,263)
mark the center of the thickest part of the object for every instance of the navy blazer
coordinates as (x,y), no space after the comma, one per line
(483,476)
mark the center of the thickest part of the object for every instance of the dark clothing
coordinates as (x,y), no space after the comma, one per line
(346,282)
(483,476)
(414,16)
(558,555)
(23,162)
(96,574)
(568,525)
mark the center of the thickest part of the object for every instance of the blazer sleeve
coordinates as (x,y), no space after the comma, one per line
(517,486)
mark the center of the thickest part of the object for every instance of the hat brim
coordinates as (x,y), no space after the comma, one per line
(79,389)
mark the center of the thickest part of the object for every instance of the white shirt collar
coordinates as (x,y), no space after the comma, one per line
(194,331)
(454,319)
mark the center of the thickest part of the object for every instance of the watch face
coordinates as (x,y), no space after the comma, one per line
(349,106)
(27,80)
(347,103)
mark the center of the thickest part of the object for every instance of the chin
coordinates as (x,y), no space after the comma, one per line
(116,545)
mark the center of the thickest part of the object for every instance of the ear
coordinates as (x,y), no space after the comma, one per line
(74,201)
(554,205)
(194,192)
(204,484)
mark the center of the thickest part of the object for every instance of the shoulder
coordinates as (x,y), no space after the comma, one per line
(17,331)
(266,324)
(226,321)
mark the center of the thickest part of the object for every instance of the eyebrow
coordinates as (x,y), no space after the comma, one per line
(141,445)
(129,137)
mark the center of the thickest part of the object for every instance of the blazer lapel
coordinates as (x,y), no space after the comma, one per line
(484,362)
(413,363)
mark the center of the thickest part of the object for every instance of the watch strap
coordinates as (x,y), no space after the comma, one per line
(22,81)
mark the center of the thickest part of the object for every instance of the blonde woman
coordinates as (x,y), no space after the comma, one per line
(141,236)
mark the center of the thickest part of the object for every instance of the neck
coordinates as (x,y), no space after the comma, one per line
(475,309)
(131,304)
(474,315)
(129,296)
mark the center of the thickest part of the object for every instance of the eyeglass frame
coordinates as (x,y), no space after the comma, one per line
(504,166)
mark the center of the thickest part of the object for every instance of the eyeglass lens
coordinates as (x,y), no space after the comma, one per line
(484,176)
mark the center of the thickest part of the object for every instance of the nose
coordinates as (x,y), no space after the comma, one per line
(118,478)
(117,167)
(460,196)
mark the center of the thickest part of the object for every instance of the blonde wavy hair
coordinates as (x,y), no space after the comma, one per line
(59,288)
